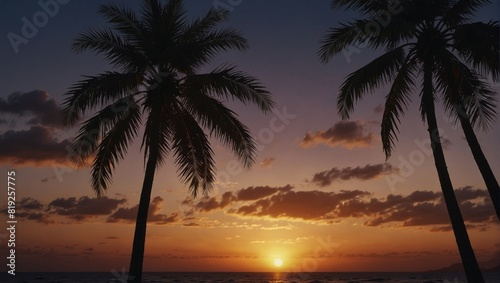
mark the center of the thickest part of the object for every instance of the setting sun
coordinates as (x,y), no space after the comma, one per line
(278,262)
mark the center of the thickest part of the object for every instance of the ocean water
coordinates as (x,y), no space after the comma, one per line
(243,277)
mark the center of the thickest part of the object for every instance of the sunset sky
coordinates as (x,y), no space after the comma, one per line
(321,196)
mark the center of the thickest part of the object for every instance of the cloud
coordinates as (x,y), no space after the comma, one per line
(420,208)
(379,109)
(130,214)
(207,204)
(268,162)
(368,172)
(37,104)
(305,205)
(37,146)
(112,238)
(254,193)
(347,134)
(30,209)
(84,207)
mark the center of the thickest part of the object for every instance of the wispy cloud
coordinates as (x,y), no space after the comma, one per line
(267,162)
(368,172)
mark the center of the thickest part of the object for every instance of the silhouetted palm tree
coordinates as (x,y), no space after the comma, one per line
(157,83)
(426,40)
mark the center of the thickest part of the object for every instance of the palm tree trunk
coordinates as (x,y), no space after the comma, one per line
(481,161)
(135,270)
(471,267)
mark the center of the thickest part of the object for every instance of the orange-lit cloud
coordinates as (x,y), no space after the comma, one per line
(368,172)
(130,214)
(348,134)
(420,208)
(37,146)
(267,162)
(32,140)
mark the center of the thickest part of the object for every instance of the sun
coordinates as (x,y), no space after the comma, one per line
(278,262)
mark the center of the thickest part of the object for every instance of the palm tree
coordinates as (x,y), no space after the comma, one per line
(157,83)
(424,40)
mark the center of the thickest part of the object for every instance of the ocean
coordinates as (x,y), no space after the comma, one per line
(244,277)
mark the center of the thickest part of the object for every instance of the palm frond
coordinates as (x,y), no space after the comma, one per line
(117,51)
(461,11)
(478,44)
(151,14)
(396,104)
(200,27)
(337,39)
(192,151)
(223,122)
(366,7)
(158,132)
(464,91)
(173,18)
(124,20)
(226,82)
(114,145)
(91,131)
(96,91)
(379,71)
(187,56)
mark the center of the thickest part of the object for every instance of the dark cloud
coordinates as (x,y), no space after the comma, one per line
(254,193)
(36,104)
(29,203)
(268,162)
(37,146)
(64,203)
(112,238)
(379,109)
(420,208)
(130,214)
(207,204)
(306,205)
(368,172)
(348,134)
(30,209)
(84,207)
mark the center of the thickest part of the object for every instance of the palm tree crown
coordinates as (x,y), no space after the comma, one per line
(157,83)
(158,56)
(437,31)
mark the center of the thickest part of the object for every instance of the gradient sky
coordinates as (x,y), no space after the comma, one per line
(321,196)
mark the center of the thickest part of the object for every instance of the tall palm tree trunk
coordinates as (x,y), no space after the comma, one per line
(471,267)
(481,161)
(135,270)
